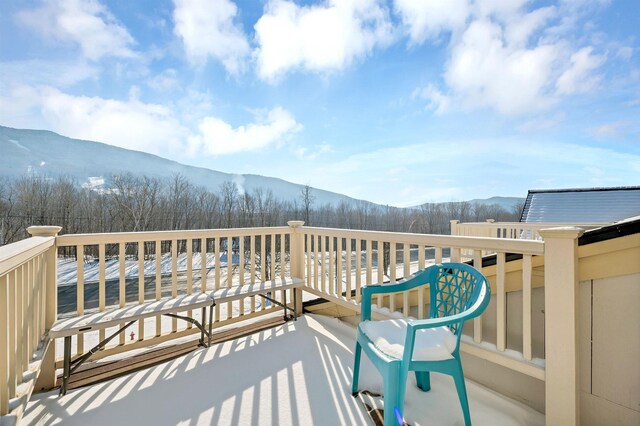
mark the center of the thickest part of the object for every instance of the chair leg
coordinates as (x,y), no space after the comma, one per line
(458,378)
(391,395)
(356,369)
(423,378)
(402,387)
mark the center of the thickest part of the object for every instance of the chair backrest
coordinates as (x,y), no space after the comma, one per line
(457,289)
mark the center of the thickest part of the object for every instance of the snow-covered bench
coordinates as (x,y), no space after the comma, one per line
(66,328)
(263,289)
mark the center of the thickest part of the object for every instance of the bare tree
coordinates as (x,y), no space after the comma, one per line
(307,198)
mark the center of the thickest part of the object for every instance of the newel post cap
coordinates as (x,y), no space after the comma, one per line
(44,231)
(562,232)
(295,223)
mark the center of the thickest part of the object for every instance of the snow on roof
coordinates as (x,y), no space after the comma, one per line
(588,205)
(297,373)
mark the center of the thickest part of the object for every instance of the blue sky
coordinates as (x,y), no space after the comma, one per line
(398,102)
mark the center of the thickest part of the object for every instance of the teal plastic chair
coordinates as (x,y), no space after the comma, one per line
(395,347)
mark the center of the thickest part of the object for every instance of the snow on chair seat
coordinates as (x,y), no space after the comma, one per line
(431,344)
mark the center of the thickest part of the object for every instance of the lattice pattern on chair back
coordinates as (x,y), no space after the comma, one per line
(456,289)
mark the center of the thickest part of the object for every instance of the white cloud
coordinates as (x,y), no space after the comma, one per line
(578,77)
(425,19)
(128,124)
(318,38)
(438,101)
(207,29)
(86,23)
(508,59)
(166,80)
(483,71)
(218,137)
(312,153)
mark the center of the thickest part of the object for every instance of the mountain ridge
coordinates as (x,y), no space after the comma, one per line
(91,163)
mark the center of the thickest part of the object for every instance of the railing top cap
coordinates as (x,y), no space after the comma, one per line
(44,231)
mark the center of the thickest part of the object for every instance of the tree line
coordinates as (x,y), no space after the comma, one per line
(140,203)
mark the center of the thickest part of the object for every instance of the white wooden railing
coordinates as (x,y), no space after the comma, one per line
(335,263)
(339,262)
(157,264)
(512,230)
(27,310)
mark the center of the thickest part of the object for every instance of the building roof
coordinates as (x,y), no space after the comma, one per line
(588,205)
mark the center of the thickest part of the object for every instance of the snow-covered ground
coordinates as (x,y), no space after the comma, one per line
(295,374)
(68,268)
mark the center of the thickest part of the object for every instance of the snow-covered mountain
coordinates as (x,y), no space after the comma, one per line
(91,164)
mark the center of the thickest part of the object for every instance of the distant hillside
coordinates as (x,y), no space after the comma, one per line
(49,154)
(506,203)
(91,164)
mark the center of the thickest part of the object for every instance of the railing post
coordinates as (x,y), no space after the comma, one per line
(297,258)
(454,226)
(562,387)
(47,377)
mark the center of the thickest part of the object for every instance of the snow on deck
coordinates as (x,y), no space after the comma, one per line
(297,373)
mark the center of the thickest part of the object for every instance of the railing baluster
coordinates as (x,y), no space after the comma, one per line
(392,274)
(241,269)
(12,346)
(23,315)
(339,242)
(80,294)
(252,261)
(323,263)
(283,293)
(380,260)
(332,260)
(5,314)
(455,254)
(309,262)
(263,258)
(501,303)
(406,263)
(358,260)
(122,290)
(283,262)
(526,306)
(229,274)
(141,286)
(438,254)
(477,322)
(272,257)
(203,265)
(316,241)
(24,294)
(32,322)
(421,266)
(174,279)
(189,243)
(348,255)
(102,285)
(158,260)
(263,270)
(369,262)
(216,251)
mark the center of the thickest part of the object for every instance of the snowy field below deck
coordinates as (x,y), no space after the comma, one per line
(295,374)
